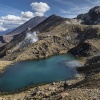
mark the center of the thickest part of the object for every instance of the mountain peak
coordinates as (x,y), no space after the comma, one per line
(48,23)
(92,17)
(95,10)
(31,24)
(55,16)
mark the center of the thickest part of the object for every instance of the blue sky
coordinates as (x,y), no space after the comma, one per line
(15,12)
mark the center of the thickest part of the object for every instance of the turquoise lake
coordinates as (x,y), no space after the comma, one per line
(35,72)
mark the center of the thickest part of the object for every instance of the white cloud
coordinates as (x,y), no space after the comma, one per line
(94,1)
(40,7)
(73,12)
(2,29)
(27,14)
(12,21)
(38,14)
(71,9)
(79,9)
(10,18)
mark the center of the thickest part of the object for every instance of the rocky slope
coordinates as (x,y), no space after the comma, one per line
(55,20)
(56,36)
(80,40)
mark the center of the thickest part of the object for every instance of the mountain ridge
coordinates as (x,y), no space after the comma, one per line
(92,17)
(29,24)
(55,32)
(22,28)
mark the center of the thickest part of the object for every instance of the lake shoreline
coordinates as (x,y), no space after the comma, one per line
(23,89)
(6,63)
(70,81)
(59,86)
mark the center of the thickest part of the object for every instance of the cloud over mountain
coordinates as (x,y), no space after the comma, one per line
(27,14)
(15,14)
(2,29)
(12,21)
(40,7)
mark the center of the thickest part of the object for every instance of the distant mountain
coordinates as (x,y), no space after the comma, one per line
(7,31)
(29,24)
(45,26)
(49,23)
(92,17)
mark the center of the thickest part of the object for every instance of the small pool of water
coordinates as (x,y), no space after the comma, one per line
(35,72)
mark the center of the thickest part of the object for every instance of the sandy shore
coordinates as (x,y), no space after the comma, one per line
(4,64)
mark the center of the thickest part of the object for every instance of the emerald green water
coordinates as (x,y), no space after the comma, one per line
(35,72)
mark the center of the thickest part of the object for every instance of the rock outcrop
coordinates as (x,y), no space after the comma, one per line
(92,17)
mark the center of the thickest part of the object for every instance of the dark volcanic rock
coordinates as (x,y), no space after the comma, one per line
(5,39)
(83,49)
(2,40)
(49,23)
(92,17)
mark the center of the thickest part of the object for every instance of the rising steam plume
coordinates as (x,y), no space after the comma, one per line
(31,37)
